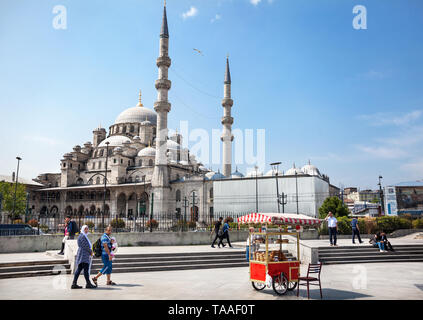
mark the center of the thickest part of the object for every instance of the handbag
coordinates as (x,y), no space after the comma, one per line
(220,233)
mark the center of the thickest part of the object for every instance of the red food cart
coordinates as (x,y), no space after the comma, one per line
(267,257)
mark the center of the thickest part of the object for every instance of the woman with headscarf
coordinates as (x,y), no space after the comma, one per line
(83,259)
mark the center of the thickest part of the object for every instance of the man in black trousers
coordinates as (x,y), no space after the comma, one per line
(216,230)
(69,231)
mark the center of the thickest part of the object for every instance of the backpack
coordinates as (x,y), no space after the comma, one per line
(97,248)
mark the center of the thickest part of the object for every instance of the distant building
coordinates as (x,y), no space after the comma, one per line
(404,198)
(364,195)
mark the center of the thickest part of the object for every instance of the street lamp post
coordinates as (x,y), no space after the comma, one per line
(255,167)
(296,188)
(275,167)
(380,194)
(16,187)
(105,181)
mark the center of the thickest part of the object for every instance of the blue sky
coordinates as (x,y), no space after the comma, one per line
(349,100)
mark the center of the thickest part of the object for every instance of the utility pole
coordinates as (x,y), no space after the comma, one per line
(296,189)
(283,201)
(255,167)
(193,206)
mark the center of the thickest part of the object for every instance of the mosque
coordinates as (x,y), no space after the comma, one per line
(137,167)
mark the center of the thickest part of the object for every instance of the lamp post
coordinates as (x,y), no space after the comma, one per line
(275,167)
(105,181)
(296,188)
(381,195)
(16,187)
(255,167)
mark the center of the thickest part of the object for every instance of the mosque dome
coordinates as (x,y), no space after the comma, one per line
(114,141)
(173,145)
(203,168)
(237,175)
(252,173)
(137,114)
(272,173)
(147,152)
(293,171)
(214,175)
(311,170)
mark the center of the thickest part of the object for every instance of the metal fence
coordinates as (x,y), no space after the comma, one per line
(157,222)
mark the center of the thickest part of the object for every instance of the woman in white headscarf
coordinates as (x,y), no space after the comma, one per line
(83,259)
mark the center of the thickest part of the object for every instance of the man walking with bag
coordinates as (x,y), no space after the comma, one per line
(216,230)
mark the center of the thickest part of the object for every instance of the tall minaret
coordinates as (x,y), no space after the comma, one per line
(160,179)
(227,122)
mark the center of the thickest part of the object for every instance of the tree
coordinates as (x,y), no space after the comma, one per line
(335,205)
(7,190)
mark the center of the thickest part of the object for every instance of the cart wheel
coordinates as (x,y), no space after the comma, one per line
(292,285)
(280,284)
(258,285)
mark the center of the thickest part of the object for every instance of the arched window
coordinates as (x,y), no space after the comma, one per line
(211,193)
(97,180)
(150,163)
(99,165)
(131,129)
(140,163)
(178,195)
(95,154)
(124,129)
(79,181)
(101,152)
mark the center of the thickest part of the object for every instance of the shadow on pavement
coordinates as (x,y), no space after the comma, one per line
(332,294)
(129,285)
(420,286)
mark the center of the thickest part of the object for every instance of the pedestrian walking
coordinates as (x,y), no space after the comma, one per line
(216,230)
(83,259)
(333,228)
(106,257)
(226,229)
(70,229)
(355,230)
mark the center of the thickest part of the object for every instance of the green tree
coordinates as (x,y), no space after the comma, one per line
(335,205)
(7,190)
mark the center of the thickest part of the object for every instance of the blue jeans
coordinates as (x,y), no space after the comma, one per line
(332,234)
(247,254)
(107,269)
(381,245)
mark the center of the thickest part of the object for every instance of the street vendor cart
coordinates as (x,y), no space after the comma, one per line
(275,256)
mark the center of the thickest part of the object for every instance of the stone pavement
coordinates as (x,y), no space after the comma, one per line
(370,281)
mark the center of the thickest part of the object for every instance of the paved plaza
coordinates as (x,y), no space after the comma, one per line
(398,281)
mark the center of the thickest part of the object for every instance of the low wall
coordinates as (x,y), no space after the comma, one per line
(43,243)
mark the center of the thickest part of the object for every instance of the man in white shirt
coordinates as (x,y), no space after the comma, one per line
(333,228)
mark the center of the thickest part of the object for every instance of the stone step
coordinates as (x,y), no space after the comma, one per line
(373,261)
(173,267)
(367,247)
(178,254)
(377,256)
(374,251)
(34,268)
(30,274)
(32,263)
(175,258)
(168,263)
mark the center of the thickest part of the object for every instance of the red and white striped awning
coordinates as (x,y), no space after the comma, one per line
(279,218)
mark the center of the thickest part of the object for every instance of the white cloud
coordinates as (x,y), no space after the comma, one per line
(390,118)
(216,17)
(255,2)
(43,140)
(416,168)
(192,12)
(383,152)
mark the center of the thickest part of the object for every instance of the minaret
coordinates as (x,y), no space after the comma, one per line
(160,179)
(227,122)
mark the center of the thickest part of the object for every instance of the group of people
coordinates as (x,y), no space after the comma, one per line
(85,253)
(221,233)
(379,240)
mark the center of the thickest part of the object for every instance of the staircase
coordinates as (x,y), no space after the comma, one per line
(369,254)
(33,268)
(173,261)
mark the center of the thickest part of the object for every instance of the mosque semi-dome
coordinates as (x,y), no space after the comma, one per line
(147,152)
(114,141)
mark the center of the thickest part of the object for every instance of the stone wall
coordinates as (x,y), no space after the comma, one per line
(53,242)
